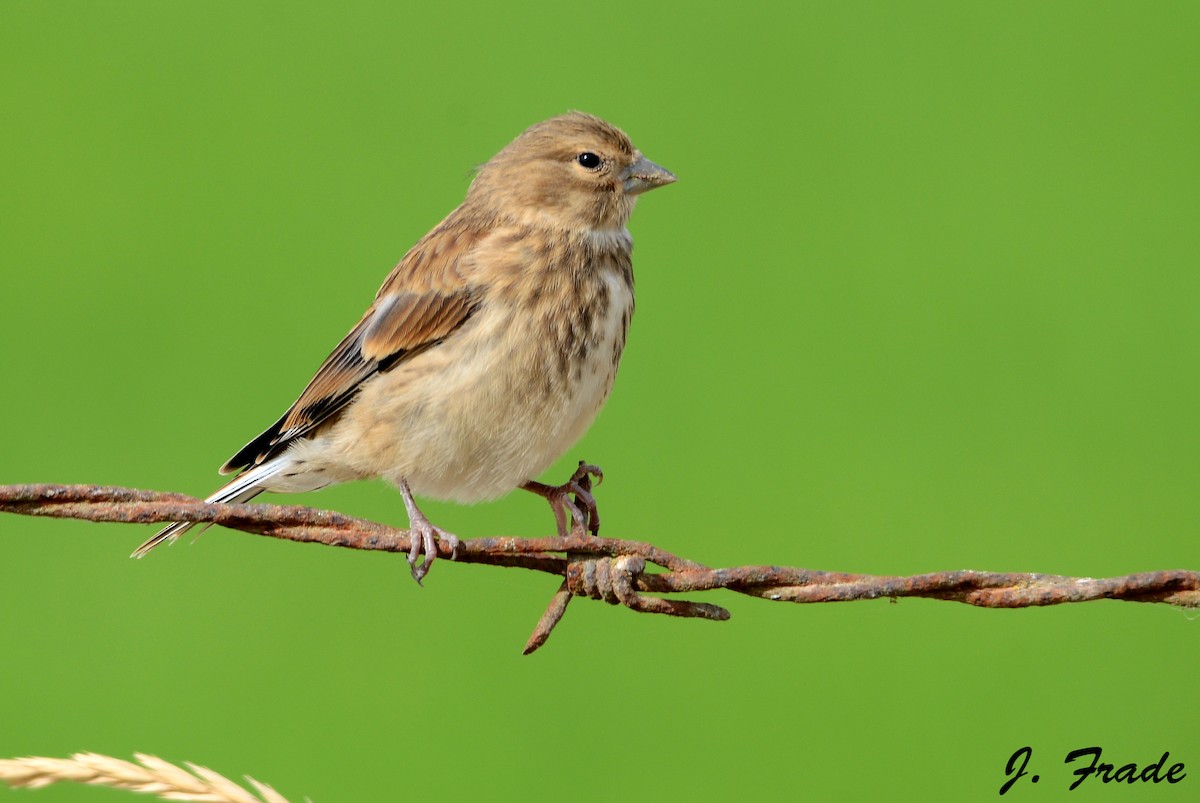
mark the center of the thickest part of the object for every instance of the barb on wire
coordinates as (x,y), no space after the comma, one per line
(609,569)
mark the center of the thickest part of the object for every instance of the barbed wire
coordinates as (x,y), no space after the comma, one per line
(608,569)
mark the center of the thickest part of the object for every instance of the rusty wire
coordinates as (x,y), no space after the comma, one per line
(609,569)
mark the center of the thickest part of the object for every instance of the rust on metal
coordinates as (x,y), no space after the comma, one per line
(609,569)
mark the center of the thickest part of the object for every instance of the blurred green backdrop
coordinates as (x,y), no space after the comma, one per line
(925,297)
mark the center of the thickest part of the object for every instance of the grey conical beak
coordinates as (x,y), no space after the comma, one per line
(645,175)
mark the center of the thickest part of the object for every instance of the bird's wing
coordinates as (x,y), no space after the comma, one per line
(422,302)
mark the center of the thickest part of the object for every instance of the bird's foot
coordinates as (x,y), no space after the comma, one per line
(584,514)
(424,538)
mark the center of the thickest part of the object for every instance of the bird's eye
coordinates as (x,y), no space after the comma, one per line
(588,160)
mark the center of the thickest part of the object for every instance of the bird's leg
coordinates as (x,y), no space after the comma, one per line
(583,509)
(423,535)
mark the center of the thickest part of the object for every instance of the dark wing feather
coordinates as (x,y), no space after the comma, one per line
(422,302)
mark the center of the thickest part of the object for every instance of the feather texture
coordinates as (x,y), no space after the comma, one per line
(489,349)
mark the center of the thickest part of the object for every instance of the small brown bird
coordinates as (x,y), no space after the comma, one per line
(489,349)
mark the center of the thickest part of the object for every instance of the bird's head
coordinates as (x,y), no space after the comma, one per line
(572,171)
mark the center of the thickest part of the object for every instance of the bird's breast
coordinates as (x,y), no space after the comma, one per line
(500,400)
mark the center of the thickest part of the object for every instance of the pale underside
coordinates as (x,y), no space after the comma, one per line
(474,417)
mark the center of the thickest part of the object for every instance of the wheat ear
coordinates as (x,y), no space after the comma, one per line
(153,777)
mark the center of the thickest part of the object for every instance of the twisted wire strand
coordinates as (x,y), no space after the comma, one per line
(609,569)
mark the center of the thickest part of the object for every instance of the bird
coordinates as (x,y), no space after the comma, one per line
(488,350)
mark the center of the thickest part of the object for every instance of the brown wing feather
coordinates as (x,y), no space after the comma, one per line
(420,304)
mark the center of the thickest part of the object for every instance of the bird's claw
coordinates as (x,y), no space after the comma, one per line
(424,537)
(583,511)
(424,542)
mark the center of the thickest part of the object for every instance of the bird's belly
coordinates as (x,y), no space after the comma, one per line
(480,414)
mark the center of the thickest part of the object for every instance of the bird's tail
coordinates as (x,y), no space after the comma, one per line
(241,488)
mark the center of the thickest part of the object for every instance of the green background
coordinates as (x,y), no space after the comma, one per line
(925,297)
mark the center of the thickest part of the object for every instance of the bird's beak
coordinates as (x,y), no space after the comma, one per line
(645,175)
